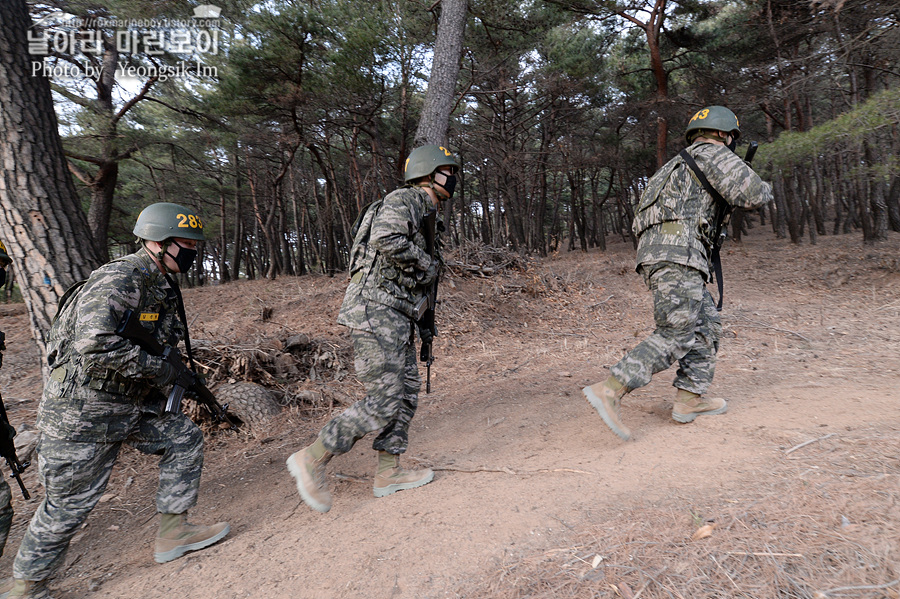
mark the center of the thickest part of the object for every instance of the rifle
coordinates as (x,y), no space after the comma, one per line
(185,379)
(425,308)
(7,447)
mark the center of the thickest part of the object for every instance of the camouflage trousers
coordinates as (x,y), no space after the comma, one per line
(6,512)
(687,331)
(75,475)
(385,362)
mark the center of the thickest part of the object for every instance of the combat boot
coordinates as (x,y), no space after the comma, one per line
(687,406)
(177,536)
(307,466)
(24,589)
(390,477)
(606,397)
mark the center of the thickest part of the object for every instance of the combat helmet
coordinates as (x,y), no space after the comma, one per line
(4,257)
(424,160)
(161,221)
(717,118)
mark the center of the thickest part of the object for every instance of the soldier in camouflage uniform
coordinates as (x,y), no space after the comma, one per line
(6,510)
(675,224)
(390,271)
(104,391)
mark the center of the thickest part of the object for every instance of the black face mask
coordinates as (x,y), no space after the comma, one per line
(733,145)
(185,258)
(449,185)
(2,277)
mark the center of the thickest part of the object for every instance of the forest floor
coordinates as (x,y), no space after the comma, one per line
(795,492)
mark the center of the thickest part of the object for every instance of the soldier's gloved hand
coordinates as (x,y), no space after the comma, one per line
(427,276)
(7,430)
(166,375)
(186,378)
(426,335)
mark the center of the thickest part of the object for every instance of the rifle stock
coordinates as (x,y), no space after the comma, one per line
(186,379)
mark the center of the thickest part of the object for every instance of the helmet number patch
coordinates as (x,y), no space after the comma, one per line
(700,115)
(189,221)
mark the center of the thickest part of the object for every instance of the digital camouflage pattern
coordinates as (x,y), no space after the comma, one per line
(385,363)
(103,392)
(75,476)
(675,224)
(6,511)
(388,261)
(687,331)
(675,219)
(99,382)
(389,273)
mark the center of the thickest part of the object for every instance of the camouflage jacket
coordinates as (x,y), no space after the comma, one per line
(99,382)
(388,261)
(676,217)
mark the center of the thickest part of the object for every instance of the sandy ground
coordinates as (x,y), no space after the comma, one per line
(811,353)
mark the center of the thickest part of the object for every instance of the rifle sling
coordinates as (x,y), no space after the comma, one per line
(715,256)
(180,302)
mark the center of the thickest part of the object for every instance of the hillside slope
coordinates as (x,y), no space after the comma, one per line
(533,496)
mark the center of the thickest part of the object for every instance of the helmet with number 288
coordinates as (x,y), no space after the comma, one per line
(161,221)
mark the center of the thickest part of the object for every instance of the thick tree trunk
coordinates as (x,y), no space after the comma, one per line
(435,120)
(41,221)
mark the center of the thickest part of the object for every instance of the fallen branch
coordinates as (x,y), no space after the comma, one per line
(599,303)
(763,554)
(771,327)
(511,471)
(805,443)
(872,587)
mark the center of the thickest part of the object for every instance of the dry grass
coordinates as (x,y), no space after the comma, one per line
(823,525)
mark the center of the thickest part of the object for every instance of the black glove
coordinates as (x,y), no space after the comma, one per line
(7,430)
(426,335)
(186,379)
(166,375)
(427,276)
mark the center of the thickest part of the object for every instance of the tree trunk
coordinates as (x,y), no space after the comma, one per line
(435,120)
(40,216)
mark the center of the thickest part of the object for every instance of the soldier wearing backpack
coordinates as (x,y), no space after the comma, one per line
(390,274)
(104,391)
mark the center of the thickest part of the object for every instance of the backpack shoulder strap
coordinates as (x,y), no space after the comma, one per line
(66,298)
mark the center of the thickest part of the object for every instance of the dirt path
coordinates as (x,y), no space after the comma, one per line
(811,353)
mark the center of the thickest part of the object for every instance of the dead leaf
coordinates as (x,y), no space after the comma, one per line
(703,532)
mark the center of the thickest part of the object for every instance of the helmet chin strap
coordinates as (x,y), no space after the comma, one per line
(161,255)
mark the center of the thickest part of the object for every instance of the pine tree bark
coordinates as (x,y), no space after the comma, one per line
(41,221)
(435,120)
